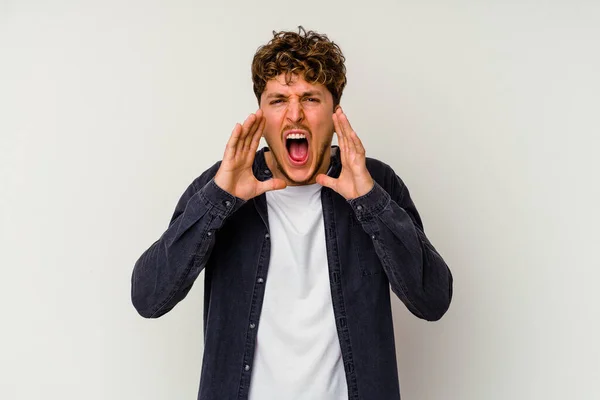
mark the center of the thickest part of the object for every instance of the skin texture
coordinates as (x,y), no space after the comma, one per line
(354,180)
(298,106)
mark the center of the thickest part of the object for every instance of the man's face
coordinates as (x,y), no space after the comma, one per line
(298,128)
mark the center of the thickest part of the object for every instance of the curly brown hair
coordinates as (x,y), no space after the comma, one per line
(308,54)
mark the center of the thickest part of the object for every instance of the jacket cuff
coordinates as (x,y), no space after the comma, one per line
(371,204)
(225,203)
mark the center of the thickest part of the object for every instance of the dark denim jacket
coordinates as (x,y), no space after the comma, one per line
(373,242)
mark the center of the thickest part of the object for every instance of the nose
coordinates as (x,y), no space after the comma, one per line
(295,114)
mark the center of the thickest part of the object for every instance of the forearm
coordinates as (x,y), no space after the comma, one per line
(165,272)
(417,273)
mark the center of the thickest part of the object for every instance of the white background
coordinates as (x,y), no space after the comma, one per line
(489,110)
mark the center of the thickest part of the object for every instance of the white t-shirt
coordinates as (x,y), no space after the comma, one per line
(298,354)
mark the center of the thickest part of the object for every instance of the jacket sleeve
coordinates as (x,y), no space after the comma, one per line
(417,273)
(165,273)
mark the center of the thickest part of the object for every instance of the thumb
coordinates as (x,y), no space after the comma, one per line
(270,184)
(327,181)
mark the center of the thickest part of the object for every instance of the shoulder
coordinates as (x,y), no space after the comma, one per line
(387,178)
(376,166)
(384,174)
(205,177)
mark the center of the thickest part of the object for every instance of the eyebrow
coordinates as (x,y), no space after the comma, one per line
(312,93)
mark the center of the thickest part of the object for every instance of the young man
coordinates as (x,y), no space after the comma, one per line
(300,243)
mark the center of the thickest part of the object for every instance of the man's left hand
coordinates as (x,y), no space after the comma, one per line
(354,180)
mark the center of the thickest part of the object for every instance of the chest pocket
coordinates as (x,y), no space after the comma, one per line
(364,250)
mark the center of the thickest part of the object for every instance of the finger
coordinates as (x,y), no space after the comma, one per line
(357,143)
(233,141)
(258,117)
(342,140)
(344,121)
(348,132)
(339,132)
(327,181)
(257,136)
(245,131)
(351,135)
(270,184)
(248,140)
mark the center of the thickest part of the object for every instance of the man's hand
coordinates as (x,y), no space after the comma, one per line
(235,173)
(354,180)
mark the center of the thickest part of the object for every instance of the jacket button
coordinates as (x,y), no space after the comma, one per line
(359,208)
(247,368)
(227,203)
(260,280)
(252,325)
(267,236)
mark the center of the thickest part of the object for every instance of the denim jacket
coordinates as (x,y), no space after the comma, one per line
(373,242)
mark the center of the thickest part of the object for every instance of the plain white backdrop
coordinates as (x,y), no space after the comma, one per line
(488,110)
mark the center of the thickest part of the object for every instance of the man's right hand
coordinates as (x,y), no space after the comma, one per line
(235,173)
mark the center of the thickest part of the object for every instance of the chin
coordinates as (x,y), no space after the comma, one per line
(298,173)
(302,177)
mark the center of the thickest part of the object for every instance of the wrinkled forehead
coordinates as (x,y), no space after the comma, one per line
(294,85)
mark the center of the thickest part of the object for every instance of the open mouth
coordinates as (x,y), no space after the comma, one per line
(297,147)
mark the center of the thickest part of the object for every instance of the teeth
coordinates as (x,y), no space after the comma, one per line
(296,136)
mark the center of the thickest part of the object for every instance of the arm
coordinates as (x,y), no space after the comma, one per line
(417,273)
(165,272)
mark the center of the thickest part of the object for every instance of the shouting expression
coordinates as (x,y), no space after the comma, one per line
(298,128)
